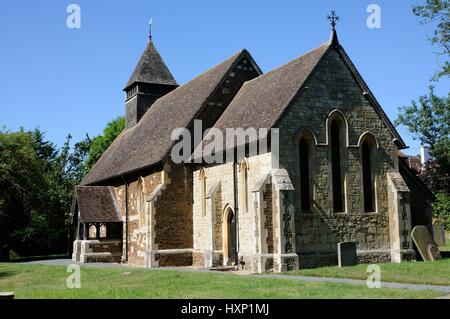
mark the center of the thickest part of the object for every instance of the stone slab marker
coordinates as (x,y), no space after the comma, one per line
(439,233)
(6,295)
(425,243)
(347,254)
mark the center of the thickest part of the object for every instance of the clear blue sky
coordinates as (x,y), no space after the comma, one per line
(70,80)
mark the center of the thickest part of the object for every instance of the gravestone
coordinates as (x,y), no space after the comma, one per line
(6,295)
(347,254)
(425,243)
(439,233)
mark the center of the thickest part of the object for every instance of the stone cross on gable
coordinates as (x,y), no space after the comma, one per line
(333,19)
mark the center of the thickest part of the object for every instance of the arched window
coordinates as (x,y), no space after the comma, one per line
(367,148)
(336,166)
(92,231)
(103,231)
(202,178)
(305,174)
(243,171)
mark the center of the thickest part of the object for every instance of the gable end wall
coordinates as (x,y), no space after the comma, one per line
(332,87)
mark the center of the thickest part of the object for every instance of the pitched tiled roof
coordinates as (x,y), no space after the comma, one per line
(411,175)
(151,69)
(97,204)
(261,101)
(149,141)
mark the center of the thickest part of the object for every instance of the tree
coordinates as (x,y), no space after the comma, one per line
(37,180)
(62,172)
(100,143)
(438,11)
(441,209)
(20,177)
(36,187)
(429,121)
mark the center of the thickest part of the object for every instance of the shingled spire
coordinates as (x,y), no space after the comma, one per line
(150,80)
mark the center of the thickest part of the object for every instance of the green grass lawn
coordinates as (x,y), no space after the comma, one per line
(38,281)
(433,273)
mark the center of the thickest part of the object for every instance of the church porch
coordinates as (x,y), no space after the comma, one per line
(98,226)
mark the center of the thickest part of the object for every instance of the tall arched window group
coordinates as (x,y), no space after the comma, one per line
(337,143)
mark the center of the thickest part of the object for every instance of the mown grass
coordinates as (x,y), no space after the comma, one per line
(39,281)
(432,273)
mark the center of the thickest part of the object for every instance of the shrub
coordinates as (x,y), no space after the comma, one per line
(441,209)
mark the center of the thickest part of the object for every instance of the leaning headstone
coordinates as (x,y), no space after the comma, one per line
(13,255)
(425,243)
(6,295)
(347,254)
(439,233)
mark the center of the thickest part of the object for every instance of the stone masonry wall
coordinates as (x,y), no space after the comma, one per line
(258,166)
(218,219)
(104,250)
(317,234)
(222,174)
(269,218)
(173,217)
(137,229)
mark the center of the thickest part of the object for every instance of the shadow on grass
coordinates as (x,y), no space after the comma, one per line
(445,254)
(8,273)
(37,258)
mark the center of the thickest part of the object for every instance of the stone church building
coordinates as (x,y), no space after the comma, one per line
(336,177)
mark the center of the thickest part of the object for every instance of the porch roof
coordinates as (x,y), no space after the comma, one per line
(96,204)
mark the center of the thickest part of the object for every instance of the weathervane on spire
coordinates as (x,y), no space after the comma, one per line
(150,29)
(333,19)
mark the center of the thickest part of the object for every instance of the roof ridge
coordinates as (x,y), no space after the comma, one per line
(149,136)
(162,98)
(168,95)
(269,94)
(233,57)
(329,43)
